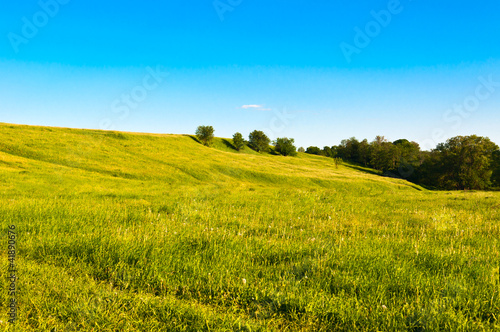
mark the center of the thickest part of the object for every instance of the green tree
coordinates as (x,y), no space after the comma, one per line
(285,146)
(466,162)
(314,150)
(337,161)
(349,149)
(205,134)
(259,141)
(409,157)
(328,152)
(383,155)
(431,172)
(238,141)
(301,149)
(364,152)
(495,177)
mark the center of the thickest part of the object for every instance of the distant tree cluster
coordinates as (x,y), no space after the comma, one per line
(463,162)
(257,140)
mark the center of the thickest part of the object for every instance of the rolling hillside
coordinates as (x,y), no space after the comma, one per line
(141,232)
(46,156)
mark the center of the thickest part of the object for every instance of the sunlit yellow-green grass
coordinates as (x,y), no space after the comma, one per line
(138,232)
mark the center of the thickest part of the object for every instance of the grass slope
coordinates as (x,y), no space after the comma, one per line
(143,232)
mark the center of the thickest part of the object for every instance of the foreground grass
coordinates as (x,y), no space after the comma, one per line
(166,235)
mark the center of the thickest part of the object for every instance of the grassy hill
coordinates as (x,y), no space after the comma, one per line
(48,155)
(128,231)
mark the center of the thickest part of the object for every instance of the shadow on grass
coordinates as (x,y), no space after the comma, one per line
(414,185)
(362,169)
(194,138)
(228,144)
(270,150)
(273,152)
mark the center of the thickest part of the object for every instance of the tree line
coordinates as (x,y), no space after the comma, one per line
(461,163)
(257,140)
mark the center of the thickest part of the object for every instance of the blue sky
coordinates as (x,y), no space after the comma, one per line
(316,71)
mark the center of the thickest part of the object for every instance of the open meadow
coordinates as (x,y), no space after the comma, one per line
(142,232)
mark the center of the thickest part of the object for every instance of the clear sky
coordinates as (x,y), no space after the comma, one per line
(317,71)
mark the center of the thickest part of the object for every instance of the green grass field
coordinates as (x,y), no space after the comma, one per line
(138,232)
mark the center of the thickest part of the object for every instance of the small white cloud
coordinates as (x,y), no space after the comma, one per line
(251,106)
(255,108)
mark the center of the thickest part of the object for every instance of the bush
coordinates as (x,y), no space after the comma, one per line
(238,141)
(285,146)
(314,150)
(338,161)
(259,141)
(205,134)
(301,149)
